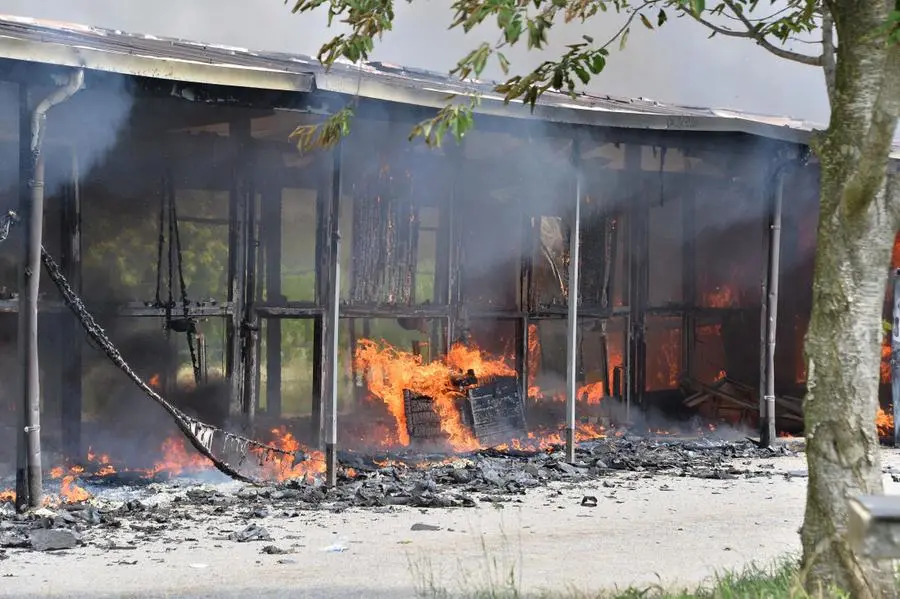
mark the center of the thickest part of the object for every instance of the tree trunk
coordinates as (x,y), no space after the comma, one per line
(843,352)
(857,225)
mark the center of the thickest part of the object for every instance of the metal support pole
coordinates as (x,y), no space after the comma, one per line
(767,430)
(895,358)
(29,483)
(572,315)
(331,326)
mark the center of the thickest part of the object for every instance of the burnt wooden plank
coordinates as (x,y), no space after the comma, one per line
(497,409)
(423,423)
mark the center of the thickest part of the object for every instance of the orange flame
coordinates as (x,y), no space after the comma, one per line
(70,492)
(282,467)
(546,440)
(7,495)
(177,460)
(534,361)
(884,421)
(591,393)
(389,372)
(722,297)
(154,381)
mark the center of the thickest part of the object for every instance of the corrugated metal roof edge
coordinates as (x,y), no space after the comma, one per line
(381,82)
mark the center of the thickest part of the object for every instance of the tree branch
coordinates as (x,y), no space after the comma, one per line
(760,39)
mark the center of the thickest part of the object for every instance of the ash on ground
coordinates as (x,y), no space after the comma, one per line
(124,512)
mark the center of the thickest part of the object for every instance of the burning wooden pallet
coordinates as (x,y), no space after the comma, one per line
(422,420)
(498,412)
(494,411)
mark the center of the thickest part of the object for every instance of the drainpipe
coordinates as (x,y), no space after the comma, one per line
(29,479)
(767,429)
(767,406)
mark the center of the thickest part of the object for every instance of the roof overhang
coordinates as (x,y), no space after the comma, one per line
(134,62)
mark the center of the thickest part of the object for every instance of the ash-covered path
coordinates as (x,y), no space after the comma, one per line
(643,526)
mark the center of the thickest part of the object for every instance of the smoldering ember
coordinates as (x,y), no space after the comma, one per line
(382,323)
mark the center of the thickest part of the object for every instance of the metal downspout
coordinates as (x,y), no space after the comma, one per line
(29,469)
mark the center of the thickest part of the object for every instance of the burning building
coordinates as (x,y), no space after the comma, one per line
(218,259)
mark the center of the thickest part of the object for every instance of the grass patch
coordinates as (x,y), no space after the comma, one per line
(779,580)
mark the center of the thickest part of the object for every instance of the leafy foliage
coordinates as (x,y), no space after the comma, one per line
(529,23)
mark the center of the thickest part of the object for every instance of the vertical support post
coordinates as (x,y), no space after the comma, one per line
(572,314)
(767,432)
(525,302)
(332,320)
(31,209)
(324,218)
(454,217)
(250,336)
(688,281)
(441,295)
(637,286)
(237,263)
(764,296)
(272,209)
(71,407)
(895,357)
(22,409)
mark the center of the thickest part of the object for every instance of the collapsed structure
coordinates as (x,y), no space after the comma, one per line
(219,259)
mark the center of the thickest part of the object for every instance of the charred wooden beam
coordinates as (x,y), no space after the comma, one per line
(72,344)
(237,261)
(271,222)
(250,318)
(688,280)
(638,221)
(455,219)
(326,214)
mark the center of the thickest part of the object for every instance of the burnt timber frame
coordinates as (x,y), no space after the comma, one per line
(244,307)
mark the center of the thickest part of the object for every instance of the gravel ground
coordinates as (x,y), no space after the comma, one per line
(643,529)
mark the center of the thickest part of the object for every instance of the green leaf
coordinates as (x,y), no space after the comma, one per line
(624,39)
(661,18)
(582,74)
(645,21)
(698,6)
(504,63)
(557,78)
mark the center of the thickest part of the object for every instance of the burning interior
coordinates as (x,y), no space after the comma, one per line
(199,237)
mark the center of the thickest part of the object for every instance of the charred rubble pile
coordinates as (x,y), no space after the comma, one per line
(142,511)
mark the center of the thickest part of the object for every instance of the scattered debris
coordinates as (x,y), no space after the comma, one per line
(251,533)
(52,539)
(124,515)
